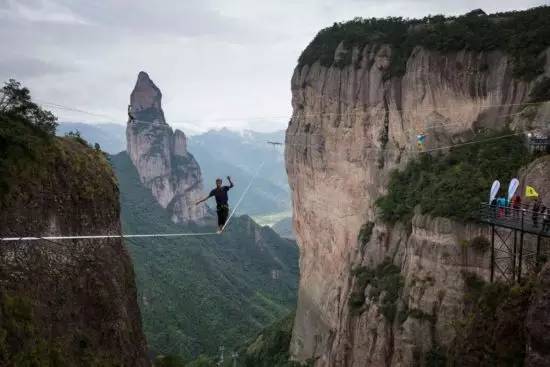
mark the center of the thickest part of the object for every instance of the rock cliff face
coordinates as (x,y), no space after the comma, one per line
(351,125)
(160,155)
(66,303)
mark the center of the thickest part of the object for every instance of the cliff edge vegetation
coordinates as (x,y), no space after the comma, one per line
(522,34)
(453,184)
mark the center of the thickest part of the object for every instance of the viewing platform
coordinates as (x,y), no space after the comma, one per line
(518,219)
(509,227)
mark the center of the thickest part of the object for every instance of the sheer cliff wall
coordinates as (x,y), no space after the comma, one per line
(352,124)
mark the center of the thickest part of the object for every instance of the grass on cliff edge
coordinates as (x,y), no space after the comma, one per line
(453,185)
(522,34)
(33,162)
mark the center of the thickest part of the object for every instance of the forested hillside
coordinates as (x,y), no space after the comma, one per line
(197,293)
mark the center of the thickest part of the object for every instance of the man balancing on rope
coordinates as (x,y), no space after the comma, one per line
(222,206)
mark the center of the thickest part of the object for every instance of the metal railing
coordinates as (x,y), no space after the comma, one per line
(521,218)
(505,245)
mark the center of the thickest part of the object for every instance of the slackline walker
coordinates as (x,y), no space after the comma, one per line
(148,235)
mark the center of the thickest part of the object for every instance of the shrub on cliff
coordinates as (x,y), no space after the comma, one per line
(201,361)
(492,331)
(174,361)
(384,280)
(453,185)
(524,35)
(75,135)
(20,342)
(480,243)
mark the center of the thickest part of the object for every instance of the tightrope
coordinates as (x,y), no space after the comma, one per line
(148,235)
(94,237)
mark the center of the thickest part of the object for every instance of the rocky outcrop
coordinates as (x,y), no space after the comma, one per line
(160,155)
(66,302)
(351,126)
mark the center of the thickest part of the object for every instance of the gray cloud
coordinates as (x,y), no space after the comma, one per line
(38,11)
(30,67)
(217,62)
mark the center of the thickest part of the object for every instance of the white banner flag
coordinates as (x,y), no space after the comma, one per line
(494,190)
(514,184)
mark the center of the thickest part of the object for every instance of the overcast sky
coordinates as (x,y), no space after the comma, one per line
(218,63)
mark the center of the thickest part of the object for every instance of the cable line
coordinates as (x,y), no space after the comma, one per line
(295,114)
(313,145)
(129,236)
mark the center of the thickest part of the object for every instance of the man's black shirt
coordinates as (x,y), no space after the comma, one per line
(220,195)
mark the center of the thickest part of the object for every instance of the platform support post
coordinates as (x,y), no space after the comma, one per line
(492,252)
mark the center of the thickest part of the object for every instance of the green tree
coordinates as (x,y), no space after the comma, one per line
(15,101)
(76,136)
(169,361)
(202,361)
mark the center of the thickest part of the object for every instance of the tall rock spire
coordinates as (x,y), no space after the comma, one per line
(160,156)
(146,100)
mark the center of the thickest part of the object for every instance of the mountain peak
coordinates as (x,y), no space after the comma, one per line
(146,101)
(143,75)
(160,155)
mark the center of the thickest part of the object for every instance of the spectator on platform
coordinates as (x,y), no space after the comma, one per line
(516,205)
(493,206)
(501,204)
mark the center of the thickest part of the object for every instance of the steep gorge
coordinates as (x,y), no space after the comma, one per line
(195,292)
(355,119)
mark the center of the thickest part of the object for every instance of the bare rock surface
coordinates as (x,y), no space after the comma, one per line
(160,155)
(351,126)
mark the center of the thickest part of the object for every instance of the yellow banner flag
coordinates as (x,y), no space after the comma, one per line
(530,192)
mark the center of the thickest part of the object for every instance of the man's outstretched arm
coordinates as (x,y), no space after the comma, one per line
(202,200)
(230,182)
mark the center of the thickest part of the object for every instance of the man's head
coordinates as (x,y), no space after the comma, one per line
(218,182)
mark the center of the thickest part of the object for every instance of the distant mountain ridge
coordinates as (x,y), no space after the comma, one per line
(219,153)
(225,152)
(284,228)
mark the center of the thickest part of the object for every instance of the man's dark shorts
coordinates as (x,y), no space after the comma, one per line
(223,213)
